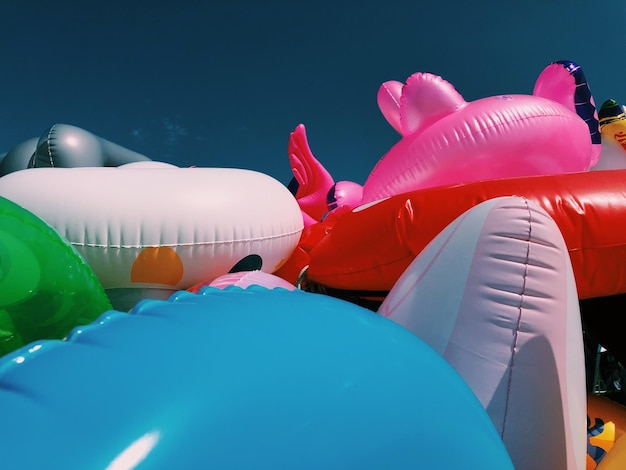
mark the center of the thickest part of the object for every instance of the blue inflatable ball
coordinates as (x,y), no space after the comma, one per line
(240,379)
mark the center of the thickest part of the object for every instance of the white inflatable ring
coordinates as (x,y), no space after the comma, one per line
(158,226)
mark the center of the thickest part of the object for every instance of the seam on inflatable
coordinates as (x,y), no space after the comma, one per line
(519,317)
(220,242)
(48,140)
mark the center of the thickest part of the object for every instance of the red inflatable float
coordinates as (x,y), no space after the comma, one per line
(368,248)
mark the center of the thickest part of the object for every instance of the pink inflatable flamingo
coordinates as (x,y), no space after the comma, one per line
(447,140)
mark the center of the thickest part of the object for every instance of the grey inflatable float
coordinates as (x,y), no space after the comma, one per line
(18,157)
(67,146)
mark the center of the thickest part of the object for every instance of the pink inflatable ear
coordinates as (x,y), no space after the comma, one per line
(313,179)
(564,82)
(556,84)
(425,99)
(389,102)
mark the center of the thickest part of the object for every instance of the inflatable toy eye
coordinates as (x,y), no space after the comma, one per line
(293,186)
(331,200)
(247,263)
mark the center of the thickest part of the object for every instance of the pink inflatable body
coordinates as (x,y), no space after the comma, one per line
(447,140)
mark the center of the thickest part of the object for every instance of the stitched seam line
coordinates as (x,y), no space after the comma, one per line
(519,319)
(197,244)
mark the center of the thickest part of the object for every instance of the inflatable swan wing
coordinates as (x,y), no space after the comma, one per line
(311,181)
(312,185)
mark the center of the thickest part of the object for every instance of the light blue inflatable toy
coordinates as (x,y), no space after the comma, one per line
(241,379)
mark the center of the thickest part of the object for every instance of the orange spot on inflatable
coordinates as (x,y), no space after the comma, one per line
(615,458)
(157,265)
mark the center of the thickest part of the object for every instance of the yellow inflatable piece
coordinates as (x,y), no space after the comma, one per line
(613,122)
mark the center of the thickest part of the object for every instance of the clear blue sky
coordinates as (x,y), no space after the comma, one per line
(224,82)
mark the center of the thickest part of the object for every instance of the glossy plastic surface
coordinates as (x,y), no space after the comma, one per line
(250,378)
(46,288)
(494,294)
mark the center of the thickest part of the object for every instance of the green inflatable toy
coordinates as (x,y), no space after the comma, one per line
(46,288)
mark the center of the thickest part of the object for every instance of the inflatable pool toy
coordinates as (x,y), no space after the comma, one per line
(446,140)
(244,279)
(241,378)
(615,458)
(613,122)
(368,248)
(613,128)
(46,288)
(494,294)
(606,423)
(311,182)
(312,185)
(18,157)
(66,146)
(147,232)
